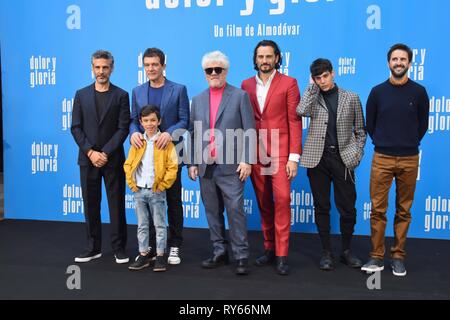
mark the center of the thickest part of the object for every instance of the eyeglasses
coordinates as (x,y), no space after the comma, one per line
(217,70)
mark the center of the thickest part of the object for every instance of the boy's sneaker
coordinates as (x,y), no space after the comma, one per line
(140,262)
(373,265)
(160,264)
(398,268)
(174,256)
(88,256)
(151,253)
(121,257)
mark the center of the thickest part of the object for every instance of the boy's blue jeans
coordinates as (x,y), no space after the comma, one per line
(150,204)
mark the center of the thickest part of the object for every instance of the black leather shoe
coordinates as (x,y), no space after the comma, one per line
(350,260)
(242,266)
(326,261)
(282,266)
(267,258)
(215,261)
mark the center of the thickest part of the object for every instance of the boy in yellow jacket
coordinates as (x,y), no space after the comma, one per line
(149,172)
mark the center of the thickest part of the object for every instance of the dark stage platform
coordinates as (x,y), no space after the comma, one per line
(34,257)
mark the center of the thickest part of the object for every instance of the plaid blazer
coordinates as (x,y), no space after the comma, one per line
(351,133)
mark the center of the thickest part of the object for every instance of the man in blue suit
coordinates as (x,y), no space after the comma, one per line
(100,124)
(172,100)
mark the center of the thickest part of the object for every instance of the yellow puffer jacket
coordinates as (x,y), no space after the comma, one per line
(165,163)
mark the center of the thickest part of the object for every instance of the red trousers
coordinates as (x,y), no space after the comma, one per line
(272,189)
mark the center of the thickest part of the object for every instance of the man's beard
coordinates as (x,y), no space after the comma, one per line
(268,70)
(102,80)
(399,75)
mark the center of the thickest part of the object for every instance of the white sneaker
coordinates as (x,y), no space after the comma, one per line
(121,257)
(174,256)
(88,256)
(398,268)
(374,265)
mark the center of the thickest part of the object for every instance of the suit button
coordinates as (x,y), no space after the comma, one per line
(326,123)
(323,138)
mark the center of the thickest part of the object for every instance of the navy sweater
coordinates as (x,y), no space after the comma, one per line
(397,117)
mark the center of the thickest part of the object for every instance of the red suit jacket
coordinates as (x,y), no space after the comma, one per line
(278,113)
(273,190)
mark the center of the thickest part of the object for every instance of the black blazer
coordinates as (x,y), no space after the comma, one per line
(106,133)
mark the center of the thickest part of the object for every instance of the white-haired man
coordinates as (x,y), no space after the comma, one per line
(217,111)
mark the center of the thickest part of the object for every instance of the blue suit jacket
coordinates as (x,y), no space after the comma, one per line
(106,133)
(174,108)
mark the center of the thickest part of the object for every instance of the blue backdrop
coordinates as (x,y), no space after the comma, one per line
(45,55)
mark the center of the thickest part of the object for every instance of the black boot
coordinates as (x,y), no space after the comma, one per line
(267,258)
(282,266)
(350,260)
(326,261)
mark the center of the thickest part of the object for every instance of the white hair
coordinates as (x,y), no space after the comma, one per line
(215,56)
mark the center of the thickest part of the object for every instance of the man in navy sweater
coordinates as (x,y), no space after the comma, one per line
(396,120)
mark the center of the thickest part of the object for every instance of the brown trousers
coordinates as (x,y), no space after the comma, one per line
(384,169)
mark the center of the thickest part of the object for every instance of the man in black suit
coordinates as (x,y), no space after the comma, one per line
(100,125)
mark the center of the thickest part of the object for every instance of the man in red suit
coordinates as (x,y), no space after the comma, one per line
(274,98)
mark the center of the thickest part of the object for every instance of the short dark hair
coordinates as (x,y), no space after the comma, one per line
(276,49)
(149,109)
(102,54)
(155,52)
(400,46)
(320,66)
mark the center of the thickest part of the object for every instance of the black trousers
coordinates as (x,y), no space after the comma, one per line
(331,169)
(91,185)
(174,216)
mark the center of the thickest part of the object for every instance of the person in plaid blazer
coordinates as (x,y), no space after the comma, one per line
(333,149)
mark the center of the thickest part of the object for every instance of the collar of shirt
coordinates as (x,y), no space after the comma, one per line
(217,91)
(152,138)
(398,83)
(259,82)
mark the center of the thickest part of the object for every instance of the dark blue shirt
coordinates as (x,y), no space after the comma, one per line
(155,96)
(397,117)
